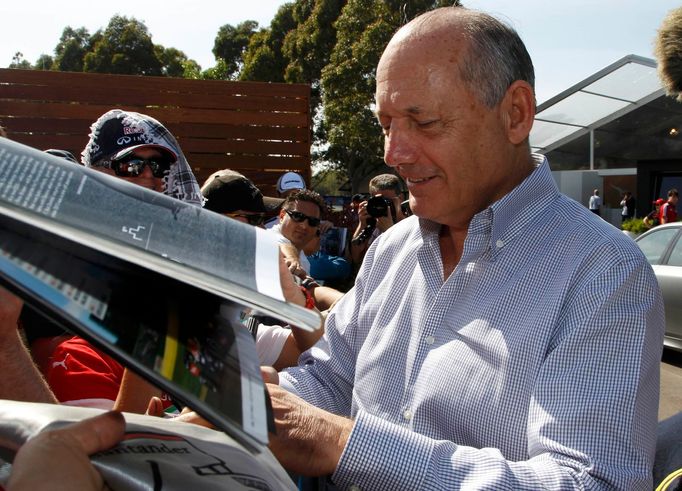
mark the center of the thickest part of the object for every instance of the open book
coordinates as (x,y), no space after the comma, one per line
(162,286)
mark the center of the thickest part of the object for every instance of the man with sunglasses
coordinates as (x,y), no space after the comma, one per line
(299,222)
(138,149)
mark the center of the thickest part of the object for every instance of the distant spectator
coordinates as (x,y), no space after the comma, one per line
(654,217)
(288,183)
(595,203)
(669,208)
(387,186)
(231,194)
(299,222)
(627,204)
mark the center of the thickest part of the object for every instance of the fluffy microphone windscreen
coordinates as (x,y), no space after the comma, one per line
(668,52)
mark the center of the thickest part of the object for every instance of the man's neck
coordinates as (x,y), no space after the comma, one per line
(451,241)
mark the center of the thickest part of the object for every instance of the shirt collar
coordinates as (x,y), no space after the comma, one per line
(503,220)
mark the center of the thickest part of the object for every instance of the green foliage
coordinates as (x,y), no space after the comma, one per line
(71,49)
(125,47)
(230,45)
(44,62)
(174,63)
(263,59)
(634,225)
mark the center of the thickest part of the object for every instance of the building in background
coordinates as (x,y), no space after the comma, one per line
(615,131)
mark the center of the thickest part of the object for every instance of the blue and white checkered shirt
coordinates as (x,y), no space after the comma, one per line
(535,365)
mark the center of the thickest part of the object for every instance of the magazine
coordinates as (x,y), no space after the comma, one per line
(155,453)
(130,271)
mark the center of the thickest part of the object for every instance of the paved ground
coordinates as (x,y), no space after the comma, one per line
(671,384)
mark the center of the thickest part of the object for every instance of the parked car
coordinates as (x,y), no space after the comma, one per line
(662,247)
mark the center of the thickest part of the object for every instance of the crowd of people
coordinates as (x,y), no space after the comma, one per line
(489,341)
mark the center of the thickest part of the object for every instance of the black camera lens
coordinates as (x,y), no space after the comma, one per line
(377,206)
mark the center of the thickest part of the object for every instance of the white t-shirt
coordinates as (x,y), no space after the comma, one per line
(302,259)
(269,342)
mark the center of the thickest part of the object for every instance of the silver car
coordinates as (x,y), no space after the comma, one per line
(662,247)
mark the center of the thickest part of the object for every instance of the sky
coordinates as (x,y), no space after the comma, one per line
(567,40)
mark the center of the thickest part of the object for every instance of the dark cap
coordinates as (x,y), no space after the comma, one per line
(117,134)
(228,191)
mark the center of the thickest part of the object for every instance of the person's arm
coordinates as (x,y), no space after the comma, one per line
(134,393)
(292,259)
(60,459)
(597,362)
(358,250)
(21,380)
(664,213)
(298,340)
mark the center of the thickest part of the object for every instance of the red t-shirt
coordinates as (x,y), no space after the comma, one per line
(81,375)
(669,212)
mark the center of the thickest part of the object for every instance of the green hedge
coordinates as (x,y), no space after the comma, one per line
(634,225)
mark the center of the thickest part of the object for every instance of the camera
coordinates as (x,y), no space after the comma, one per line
(378,206)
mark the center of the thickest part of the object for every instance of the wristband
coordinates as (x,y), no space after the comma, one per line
(309,300)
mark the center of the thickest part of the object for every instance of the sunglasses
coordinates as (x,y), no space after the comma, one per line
(299,217)
(255,219)
(134,166)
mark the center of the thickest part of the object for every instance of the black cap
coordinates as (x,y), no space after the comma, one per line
(229,191)
(111,140)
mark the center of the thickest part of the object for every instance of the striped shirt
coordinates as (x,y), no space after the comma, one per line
(534,365)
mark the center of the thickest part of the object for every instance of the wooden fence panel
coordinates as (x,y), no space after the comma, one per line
(259,129)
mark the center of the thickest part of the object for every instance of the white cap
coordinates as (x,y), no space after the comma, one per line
(289,181)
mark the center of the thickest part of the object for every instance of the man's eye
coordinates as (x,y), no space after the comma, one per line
(426,124)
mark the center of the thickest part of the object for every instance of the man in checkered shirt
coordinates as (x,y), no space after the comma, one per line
(504,337)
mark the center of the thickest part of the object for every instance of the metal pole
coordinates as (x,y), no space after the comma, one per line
(591,149)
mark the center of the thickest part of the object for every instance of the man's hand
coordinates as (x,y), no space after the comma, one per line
(309,441)
(59,459)
(292,260)
(292,292)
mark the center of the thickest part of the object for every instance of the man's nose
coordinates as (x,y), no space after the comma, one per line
(147,171)
(398,146)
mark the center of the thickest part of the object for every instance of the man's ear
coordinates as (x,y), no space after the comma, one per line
(282,211)
(518,107)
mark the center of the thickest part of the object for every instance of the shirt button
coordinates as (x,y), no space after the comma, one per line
(499,244)
(354,487)
(407,414)
(429,340)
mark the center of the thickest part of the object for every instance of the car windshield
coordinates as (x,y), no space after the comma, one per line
(655,244)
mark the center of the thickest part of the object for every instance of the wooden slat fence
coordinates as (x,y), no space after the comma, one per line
(259,129)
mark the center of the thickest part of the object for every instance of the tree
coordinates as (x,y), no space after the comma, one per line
(174,63)
(19,62)
(230,45)
(308,46)
(124,47)
(44,62)
(71,49)
(263,58)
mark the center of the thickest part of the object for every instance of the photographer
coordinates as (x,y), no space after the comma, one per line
(377,214)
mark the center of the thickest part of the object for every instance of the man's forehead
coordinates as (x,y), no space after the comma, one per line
(306,207)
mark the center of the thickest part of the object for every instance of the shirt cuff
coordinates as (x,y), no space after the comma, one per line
(383,455)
